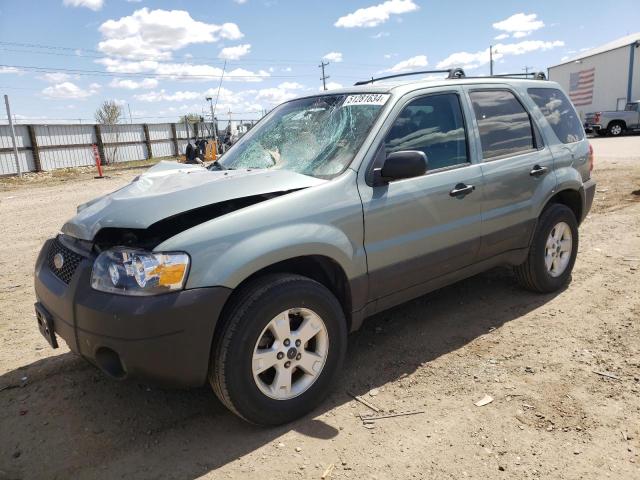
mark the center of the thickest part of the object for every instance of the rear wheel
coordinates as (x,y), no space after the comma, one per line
(281,347)
(553,251)
(615,129)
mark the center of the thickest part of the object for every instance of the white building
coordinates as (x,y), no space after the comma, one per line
(603,78)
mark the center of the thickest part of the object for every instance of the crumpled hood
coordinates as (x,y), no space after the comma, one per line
(170,188)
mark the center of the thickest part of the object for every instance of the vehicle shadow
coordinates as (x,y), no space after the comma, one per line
(69,420)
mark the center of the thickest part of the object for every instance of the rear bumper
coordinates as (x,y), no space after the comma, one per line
(164,339)
(592,127)
(588,192)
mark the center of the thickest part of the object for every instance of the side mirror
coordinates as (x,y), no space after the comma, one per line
(399,165)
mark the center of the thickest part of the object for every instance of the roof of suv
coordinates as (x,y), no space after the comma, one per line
(402,86)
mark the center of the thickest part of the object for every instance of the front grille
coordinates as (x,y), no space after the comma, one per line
(71,260)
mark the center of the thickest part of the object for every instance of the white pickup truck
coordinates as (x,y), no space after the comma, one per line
(614,123)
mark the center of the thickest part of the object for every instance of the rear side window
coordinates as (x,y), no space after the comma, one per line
(504,125)
(434,125)
(559,112)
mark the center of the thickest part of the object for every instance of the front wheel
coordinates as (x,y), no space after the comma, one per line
(282,344)
(552,253)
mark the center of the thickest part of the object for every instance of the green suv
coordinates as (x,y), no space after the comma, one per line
(250,273)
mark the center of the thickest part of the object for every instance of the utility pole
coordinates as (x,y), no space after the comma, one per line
(130,117)
(526,70)
(491,60)
(13,136)
(213,120)
(324,77)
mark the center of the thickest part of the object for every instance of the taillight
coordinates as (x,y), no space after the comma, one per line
(590,158)
(596,118)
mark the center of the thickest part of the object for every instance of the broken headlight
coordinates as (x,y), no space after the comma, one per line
(137,272)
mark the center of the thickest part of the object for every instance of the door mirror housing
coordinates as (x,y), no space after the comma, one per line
(399,165)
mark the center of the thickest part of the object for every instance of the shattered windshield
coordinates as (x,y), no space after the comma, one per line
(317,136)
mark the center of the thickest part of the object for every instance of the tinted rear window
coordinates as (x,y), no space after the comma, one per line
(559,112)
(504,124)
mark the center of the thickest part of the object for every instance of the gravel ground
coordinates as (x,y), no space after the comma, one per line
(551,416)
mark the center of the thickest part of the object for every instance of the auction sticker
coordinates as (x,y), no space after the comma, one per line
(366,99)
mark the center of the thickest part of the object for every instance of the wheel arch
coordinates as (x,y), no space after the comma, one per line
(617,121)
(323,269)
(570,197)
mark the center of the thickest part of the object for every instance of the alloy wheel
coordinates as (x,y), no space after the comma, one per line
(290,353)
(557,252)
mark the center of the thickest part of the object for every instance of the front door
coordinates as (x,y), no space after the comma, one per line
(420,228)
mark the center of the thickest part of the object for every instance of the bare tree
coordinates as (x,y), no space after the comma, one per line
(110,113)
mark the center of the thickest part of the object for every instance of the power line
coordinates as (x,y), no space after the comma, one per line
(79,71)
(82,53)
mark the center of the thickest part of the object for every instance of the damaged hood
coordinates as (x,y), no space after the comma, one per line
(170,188)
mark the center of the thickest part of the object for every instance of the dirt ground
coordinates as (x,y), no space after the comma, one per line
(552,415)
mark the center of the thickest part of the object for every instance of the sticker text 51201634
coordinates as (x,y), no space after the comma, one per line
(366,99)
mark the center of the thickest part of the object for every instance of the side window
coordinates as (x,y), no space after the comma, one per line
(559,112)
(504,124)
(433,125)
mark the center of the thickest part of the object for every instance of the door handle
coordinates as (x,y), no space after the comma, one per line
(538,171)
(461,189)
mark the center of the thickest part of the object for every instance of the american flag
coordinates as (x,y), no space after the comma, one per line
(581,87)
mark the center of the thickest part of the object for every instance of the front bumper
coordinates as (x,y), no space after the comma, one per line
(592,127)
(165,339)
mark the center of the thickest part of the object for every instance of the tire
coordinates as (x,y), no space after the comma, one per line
(534,274)
(615,129)
(248,321)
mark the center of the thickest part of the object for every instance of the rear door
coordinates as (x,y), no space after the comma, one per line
(516,165)
(420,228)
(565,132)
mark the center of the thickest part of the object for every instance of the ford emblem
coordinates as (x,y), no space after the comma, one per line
(58,261)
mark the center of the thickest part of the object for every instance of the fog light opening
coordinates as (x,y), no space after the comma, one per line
(109,362)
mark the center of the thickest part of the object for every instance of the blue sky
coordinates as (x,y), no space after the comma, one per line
(163,57)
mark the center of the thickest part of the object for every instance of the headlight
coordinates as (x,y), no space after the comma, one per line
(138,272)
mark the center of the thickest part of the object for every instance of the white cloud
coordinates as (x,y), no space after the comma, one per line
(234,53)
(380,35)
(240,2)
(332,86)
(502,36)
(154,34)
(162,95)
(283,92)
(182,71)
(129,84)
(57,77)
(15,70)
(69,90)
(519,25)
(471,60)
(409,64)
(376,14)
(333,57)
(291,85)
(94,5)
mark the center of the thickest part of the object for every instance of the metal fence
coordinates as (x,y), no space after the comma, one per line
(47,147)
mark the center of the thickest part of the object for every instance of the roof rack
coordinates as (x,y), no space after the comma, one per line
(535,75)
(452,73)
